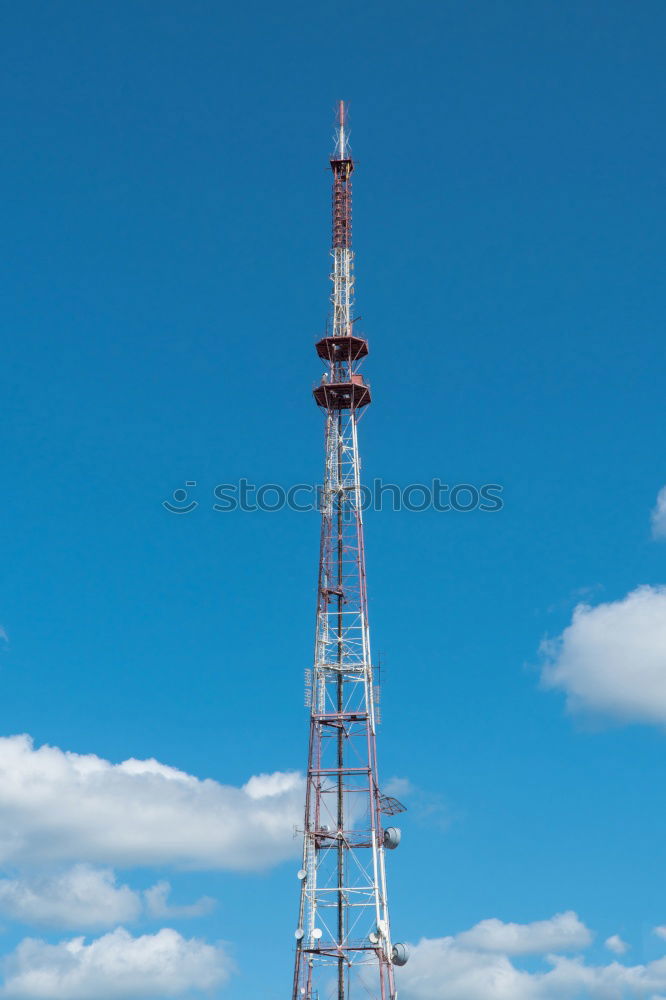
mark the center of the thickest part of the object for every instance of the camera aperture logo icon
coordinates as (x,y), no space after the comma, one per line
(178,503)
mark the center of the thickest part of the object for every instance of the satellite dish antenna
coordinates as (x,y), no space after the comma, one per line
(298,933)
(400,954)
(301,873)
(317,933)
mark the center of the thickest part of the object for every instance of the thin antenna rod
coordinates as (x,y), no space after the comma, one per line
(341,150)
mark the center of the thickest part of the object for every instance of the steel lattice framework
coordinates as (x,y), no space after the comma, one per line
(343,938)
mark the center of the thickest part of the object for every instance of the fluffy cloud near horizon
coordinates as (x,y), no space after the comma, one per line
(58,807)
(87,898)
(80,897)
(658,516)
(563,932)
(470,966)
(67,818)
(611,660)
(116,966)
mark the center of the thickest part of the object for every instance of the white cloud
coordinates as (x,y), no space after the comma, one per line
(446,969)
(658,516)
(157,903)
(616,944)
(116,966)
(59,807)
(572,978)
(611,659)
(86,898)
(81,897)
(442,970)
(563,932)
(660,932)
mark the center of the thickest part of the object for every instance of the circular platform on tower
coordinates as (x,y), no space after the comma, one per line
(347,348)
(343,395)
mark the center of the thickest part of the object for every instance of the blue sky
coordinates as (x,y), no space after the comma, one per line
(164,279)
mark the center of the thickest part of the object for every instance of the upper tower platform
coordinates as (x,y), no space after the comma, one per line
(346,348)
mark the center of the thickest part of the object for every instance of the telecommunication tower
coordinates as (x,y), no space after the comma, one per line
(344,949)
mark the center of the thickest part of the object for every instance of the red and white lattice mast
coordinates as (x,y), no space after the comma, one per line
(343,938)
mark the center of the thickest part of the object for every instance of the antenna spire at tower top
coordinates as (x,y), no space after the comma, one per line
(342,136)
